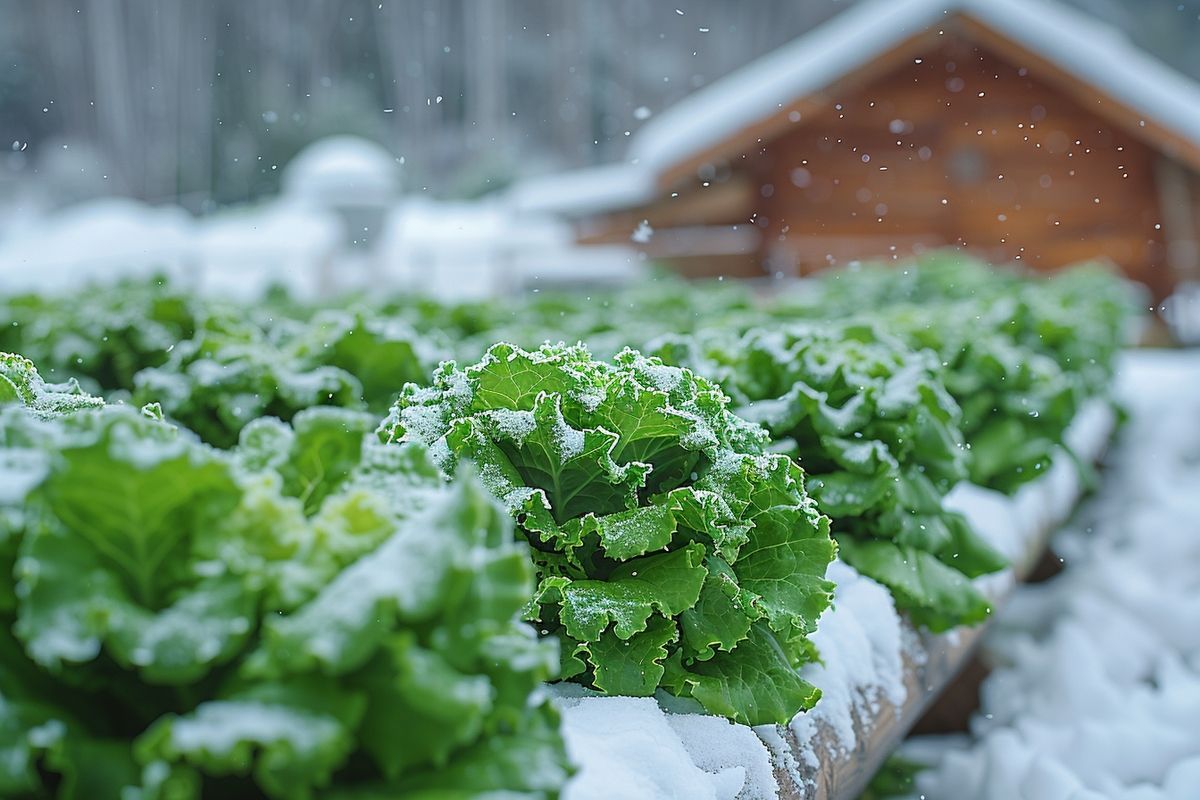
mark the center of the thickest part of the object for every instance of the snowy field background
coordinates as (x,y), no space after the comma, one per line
(341,224)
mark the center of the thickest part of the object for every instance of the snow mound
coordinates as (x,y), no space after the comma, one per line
(241,252)
(629,747)
(100,240)
(861,662)
(1097,692)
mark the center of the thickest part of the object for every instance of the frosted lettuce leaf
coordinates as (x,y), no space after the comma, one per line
(105,565)
(756,680)
(878,433)
(314,456)
(99,334)
(383,353)
(37,739)
(661,530)
(230,374)
(289,751)
(212,636)
(21,384)
(935,595)
(426,628)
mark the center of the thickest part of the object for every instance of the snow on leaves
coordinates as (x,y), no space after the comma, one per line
(661,531)
(271,616)
(879,435)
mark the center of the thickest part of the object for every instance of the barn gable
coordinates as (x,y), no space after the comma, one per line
(959,146)
(1085,57)
(1023,130)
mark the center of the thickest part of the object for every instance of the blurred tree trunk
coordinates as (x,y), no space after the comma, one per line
(187,99)
(117,128)
(486,89)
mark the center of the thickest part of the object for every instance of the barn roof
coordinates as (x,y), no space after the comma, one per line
(1103,67)
(590,190)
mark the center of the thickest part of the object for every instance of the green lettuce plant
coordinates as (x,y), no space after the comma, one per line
(381,353)
(100,335)
(878,435)
(672,552)
(230,373)
(1021,351)
(1016,403)
(309,615)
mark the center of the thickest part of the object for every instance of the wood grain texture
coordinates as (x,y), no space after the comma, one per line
(961,144)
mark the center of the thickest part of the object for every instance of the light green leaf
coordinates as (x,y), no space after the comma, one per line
(668,583)
(289,752)
(756,684)
(421,708)
(935,595)
(632,666)
(327,446)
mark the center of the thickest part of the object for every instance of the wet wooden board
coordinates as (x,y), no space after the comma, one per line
(845,774)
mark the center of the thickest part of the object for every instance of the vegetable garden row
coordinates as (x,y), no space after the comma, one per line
(285,551)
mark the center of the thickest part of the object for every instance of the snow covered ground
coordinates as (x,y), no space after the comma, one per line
(340,225)
(452,251)
(1097,689)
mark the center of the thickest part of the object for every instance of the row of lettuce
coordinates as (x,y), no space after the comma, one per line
(289,551)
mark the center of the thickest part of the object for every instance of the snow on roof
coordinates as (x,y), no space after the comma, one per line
(1094,52)
(467,224)
(583,191)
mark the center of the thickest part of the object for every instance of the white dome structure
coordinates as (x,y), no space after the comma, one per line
(342,171)
(352,178)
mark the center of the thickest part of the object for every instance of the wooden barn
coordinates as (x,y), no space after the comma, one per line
(1018,129)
